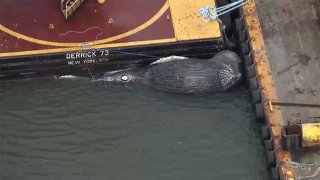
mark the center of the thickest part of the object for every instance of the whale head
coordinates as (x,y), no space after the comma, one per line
(121,77)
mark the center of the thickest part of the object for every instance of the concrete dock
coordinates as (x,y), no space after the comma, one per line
(291,33)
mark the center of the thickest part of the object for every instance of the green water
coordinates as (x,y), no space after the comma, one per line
(74,130)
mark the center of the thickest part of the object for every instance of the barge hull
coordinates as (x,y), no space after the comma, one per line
(283,38)
(100,37)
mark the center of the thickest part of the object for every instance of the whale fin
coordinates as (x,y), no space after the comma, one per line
(68,77)
(72,77)
(117,71)
(169,59)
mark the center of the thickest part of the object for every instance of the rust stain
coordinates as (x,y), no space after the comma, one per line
(273,115)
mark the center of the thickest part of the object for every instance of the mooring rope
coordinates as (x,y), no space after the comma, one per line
(138,54)
(301,165)
(311,176)
(304,167)
(212,13)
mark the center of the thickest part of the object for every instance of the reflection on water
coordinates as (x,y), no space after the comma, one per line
(74,130)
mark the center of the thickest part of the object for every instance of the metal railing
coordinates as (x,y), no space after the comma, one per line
(68,7)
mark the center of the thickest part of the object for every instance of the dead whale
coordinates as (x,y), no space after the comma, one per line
(182,75)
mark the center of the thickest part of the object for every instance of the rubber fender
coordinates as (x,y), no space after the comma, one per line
(248,59)
(271,159)
(256,96)
(245,47)
(253,83)
(250,71)
(265,132)
(268,144)
(284,142)
(275,173)
(259,112)
(292,142)
(238,23)
(242,35)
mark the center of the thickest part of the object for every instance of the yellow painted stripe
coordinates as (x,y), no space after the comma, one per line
(34,40)
(259,52)
(79,44)
(61,50)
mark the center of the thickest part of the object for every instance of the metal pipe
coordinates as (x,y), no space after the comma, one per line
(295,104)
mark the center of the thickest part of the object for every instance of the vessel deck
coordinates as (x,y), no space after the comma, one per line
(37,40)
(291,32)
(36,27)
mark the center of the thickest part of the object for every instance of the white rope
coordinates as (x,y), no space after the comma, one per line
(311,176)
(211,13)
(304,167)
(83,32)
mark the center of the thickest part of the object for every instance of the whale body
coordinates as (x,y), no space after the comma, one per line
(182,75)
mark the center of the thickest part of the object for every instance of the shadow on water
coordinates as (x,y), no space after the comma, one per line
(75,130)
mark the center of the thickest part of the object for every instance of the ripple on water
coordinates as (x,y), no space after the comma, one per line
(75,130)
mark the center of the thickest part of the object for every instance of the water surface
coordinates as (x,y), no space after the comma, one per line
(73,130)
